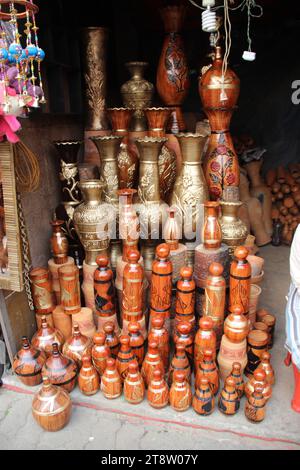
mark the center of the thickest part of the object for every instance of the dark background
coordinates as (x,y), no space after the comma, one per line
(136,33)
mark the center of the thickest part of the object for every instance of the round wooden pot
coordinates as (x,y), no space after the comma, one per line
(28,364)
(45,337)
(61,370)
(77,345)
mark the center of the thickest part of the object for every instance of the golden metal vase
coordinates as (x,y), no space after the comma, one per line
(234,231)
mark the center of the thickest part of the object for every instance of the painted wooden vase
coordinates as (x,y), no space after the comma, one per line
(28,364)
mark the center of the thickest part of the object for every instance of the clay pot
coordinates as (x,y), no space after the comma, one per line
(61,370)
(88,378)
(179,362)
(45,337)
(28,364)
(160,335)
(237,376)
(259,377)
(152,362)
(158,391)
(111,383)
(77,345)
(255,406)
(257,345)
(257,264)
(134,387)
(51,407)
(137,341)
(111,339)
(229,402)
(62,321)
(205,339)
(265,364)
(229,354)
(125,356)
(236,325)
(100,353)
(183,334)
(180,392)
(204,400)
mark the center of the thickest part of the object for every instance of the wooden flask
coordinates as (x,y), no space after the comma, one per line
(208,368)
(215,298)
(100,353)
(51,407)
(88,378)
(111,339)
(59,242)
(158,391)
(41,289)
(69,289)
(184,334)
(237,376)
(134,387)
(203,400)
(212,233)
(179,362)
(229,402)
(265,364)
(185,297)
(28,364)
(125,356)
(236,325)
(151,362)
(255,406)
(111,383)
(159,334)
(46,336)
(77,345)
(180,392)
(240,280)
(60,370)
(259,377)
(104,288)
(205,339)
(137,341)
(132,296)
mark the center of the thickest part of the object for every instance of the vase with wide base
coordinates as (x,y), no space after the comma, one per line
(180,392)
(234,231)
(172,80)
(158,391)
(77,346)
(259,378)
(111,382)
(60,370)
(137,94)
(46,336)
(88,378)
(28,364)
(203,400)
(51,407)
(229,402)
(255,406)
(127,157)
(134,387)
(152,362)
(219,97)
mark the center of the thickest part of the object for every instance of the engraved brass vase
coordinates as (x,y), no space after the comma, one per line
(234,231)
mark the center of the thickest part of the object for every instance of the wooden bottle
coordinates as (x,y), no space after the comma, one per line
(51,407)
(240,280)
(100,353)
(236,325)
(125,356)
(159,334)
(134,387)
(179,362)
(185,297)
(257,345)
(237,376)
(70,289)
(161,285)
(88,378)
(215,298)
(265,364)
(59,243)
(203,400)
(133,278)
(183,333)
(77,345)
(212,233)
(137,341)
(180,392)
(111,383)
(208,368)
(178,251)
(46,336)
(152,362)
(229,402)
(41,289)
(104,288)
(259,377)
(205,339)
(111,339)
(28,364)
(255,406)
(158,391)
(61,370)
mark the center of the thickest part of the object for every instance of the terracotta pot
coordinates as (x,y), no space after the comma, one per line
(111,383)
(100,353)
(77,346)
(88,378)
(180,392)
(61,370)
(229,402)
(158,391)
(45,337)
(134,387)
(51,407)
(85,321)
(257,264)
(62,321)
(28,364)
(270,321)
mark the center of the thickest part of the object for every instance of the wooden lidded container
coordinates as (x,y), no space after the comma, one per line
(270,321)
(204,400)
(69,289)
(236,325)
(255,406)
(205,339)
(240,280)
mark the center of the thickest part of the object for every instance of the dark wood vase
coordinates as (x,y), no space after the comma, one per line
(46,336)
(137,341)
(88,378)
(125,356)
(159,334)
(221,163)
(51,407)
(158,391)
(172,80)
(179,362)
(100,352)
(152,362)
(184,334)
(180,392)
(205,339)
(229,402)
(77,345)
(59,242)
(134,387)
(111,339)
(237,376)
(203,400)
(104,288)
(28,364)
(111,382)
(208,368)
(61,370)
(240,280)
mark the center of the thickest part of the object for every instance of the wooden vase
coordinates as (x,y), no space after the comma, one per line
(77,345)
(111,383)
(158,391)
(236,325)
(100,353)
(205,339)
(179,362)
(46,336)
(129,227)
(59,242)
(61,370)
(185,297)
(229,354)
(159,334)
(255,406)
(229,402)
(266,365)
(184,334)
(203,400)
(132,297)
(178,251)
(212,233)
(240,281)
(180,392)
(53,268)
(172,80)
(111,339)
(69,289)
(260,378)
(104,288)
(137,341)
(134,387)
(215,299)
(51,407)
(257,345)
(125,356)
(152,362)
(237,375)
(208,368)
(28,364)
(41,289)
(88,378)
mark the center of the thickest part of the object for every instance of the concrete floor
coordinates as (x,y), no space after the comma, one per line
(100,424)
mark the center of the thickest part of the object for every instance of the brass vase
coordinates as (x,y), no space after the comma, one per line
(148,197)
(92,221)
(234,231)
(137,94)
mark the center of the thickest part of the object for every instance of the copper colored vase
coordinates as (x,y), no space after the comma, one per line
(77,346)
(212,233)
(59,243)
(46,336)
(61,370)
(28,364)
